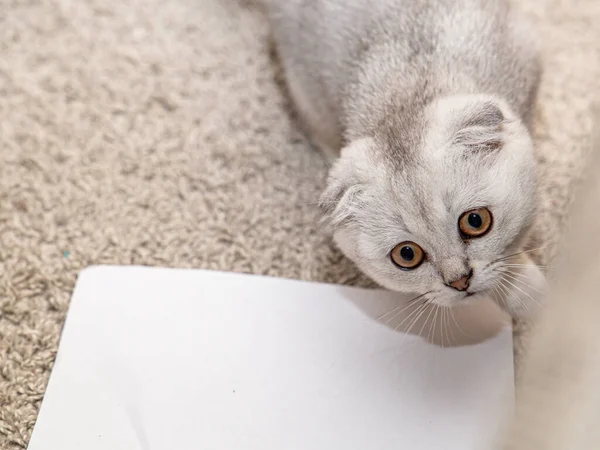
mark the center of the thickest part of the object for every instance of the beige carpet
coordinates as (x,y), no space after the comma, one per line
(153,132)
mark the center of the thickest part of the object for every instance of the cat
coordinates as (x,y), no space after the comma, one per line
(424,108)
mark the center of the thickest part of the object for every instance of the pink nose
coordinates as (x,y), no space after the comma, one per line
(462,284)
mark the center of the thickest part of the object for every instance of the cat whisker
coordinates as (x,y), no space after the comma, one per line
(522,303)
(502,295)
(407,304)
(416,318)
(541,266)
(412,314)
(504,258)
(449,330)
(521,290)
(426,321)
(422,310)
(497,295)
(398,313)
(457,324)
(506,274)
(515,275)
(492,265)
(440,325)
(505,294)
(431,334)
(443,327)
(441,311)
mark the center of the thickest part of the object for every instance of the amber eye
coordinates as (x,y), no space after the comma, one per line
(407,255)
(475,223)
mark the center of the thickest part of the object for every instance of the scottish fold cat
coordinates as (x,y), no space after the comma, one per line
(424,108)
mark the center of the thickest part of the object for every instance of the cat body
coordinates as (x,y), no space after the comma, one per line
(425,109)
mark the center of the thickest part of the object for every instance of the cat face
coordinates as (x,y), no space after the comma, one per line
(437,218)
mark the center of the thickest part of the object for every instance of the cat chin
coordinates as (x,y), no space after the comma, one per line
(453,300)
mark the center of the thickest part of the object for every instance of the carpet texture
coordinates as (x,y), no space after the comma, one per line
(153,132)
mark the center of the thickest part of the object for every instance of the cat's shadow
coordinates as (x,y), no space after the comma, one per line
(469,323)
(466,324)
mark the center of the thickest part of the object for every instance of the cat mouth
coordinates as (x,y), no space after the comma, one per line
(475,294)
(468,296)
(471,294)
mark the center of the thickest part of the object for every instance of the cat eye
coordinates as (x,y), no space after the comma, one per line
(475,223)
(407,255)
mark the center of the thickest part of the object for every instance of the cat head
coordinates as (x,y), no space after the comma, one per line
(433,209)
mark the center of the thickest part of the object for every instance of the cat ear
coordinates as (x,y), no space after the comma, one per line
(338,202)
(342,196)
(480,126)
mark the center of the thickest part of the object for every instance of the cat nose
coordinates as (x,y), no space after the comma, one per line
(462,283)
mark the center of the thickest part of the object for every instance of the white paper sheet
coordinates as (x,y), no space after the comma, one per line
(164,359)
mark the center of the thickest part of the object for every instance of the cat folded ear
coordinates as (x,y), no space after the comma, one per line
(341,199)
(480,126)
(338,202)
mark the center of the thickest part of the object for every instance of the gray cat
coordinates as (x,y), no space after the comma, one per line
(426,107)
